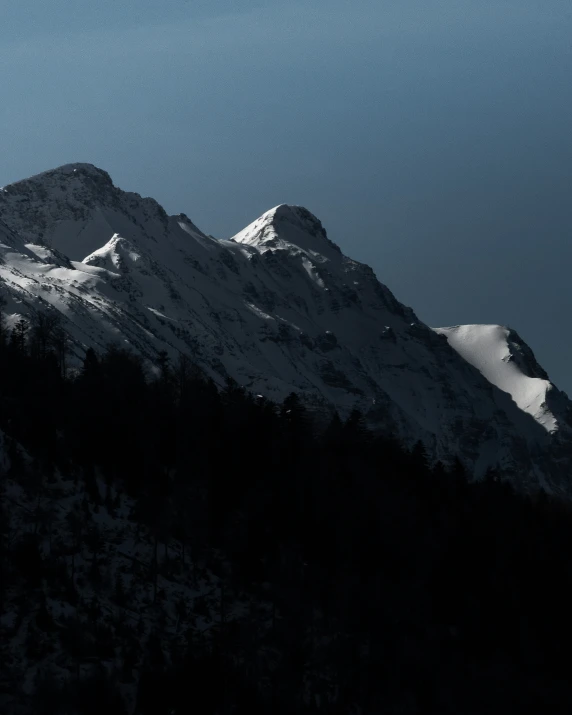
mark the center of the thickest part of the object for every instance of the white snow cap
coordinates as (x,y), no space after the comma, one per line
(285,226)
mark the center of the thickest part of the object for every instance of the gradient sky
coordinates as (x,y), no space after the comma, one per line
(432,138)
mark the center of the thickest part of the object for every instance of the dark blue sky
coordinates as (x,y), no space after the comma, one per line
(433,139)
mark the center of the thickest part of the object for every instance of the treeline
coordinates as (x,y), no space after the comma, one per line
(394,586)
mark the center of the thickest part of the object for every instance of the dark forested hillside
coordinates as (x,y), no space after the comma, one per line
(168,548)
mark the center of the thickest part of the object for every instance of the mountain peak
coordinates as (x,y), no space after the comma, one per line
(294,214)
(76,208)
(78,170)
(287,225)
(78,167)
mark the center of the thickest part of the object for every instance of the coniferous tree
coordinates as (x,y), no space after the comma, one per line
(19,337)
(361,568)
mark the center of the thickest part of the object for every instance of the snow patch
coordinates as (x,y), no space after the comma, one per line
(486,347)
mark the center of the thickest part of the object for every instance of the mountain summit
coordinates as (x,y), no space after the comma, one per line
(279,308)
(285,226)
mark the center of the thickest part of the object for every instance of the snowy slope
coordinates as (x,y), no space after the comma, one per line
(501,356)
(279,308)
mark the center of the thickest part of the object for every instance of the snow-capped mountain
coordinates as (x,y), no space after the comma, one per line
(279,308)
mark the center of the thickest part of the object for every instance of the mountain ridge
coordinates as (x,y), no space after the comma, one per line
(277,307)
